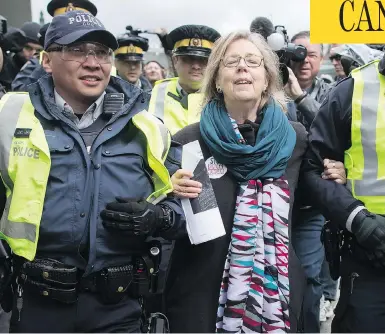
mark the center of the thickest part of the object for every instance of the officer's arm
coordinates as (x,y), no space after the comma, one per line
(173,163)
(329,137)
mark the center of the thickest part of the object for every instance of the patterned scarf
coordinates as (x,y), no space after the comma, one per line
(254,293)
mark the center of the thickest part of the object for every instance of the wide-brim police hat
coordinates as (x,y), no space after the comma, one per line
(58,7)
(131,47)
(192,40)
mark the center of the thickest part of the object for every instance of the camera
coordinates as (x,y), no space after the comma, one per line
(286,51)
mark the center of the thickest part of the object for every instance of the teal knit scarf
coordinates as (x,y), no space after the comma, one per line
(269,156)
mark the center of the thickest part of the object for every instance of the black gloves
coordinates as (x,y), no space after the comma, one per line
(137,218)
(369,230)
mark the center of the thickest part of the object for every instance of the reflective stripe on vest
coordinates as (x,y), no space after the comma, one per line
(24,168)
(169,110)
(158,144)
(365,160)
(161,89)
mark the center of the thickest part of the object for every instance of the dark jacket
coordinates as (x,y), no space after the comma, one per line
(31,72)
(2,91)
(308,107)
(330,137)
(80,184)
(146,85)
(11,66)
(196,270)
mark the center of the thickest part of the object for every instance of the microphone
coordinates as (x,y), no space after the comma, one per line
(276,41)
(263,26)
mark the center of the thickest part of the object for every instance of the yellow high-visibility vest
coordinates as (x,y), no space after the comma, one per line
(169,110)
(365,159)
(25,165)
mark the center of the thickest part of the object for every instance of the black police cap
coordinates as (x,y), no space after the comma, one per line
(131,47)
(192,40)
(58,7)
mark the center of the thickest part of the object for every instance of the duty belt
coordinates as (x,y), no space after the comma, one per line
(55,280)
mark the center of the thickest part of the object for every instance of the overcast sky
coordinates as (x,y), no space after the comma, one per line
(223,15)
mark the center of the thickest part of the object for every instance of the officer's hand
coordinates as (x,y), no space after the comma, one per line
(334,170)
(369,230)
(183,186)
(292,88)
(138,218)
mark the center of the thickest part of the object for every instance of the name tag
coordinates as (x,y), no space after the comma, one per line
(22,133)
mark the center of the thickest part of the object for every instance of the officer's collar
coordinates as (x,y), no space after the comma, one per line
(181,91)
(138,84)
(42,94)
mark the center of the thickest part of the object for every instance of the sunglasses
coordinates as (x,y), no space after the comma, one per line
(335,57)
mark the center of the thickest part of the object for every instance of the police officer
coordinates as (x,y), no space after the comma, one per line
(85,182)
(349,128)
(32,70)
(176,100)
(129,60)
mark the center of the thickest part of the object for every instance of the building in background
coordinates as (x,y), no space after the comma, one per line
(16,11)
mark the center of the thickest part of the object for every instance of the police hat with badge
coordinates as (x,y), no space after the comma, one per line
(192,40)
(131,47)
(58,7)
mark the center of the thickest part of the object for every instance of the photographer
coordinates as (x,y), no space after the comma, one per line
(19,46)
(304,87)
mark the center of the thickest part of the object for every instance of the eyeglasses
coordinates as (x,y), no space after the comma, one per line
(250,61)
(80,52)
(336,57)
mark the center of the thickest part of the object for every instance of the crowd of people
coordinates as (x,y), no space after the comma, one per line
(94,235)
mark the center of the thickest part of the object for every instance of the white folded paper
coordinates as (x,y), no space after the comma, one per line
(204,221)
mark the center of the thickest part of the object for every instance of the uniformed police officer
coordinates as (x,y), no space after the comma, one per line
(32,70)
(84,183)
(129,60)
(349,127)
(176,100)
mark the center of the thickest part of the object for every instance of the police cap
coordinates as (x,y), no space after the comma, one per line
(131,47)
(58,7)
(76,26)
(192,40)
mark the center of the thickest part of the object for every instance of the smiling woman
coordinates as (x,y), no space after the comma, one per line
(246,280)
